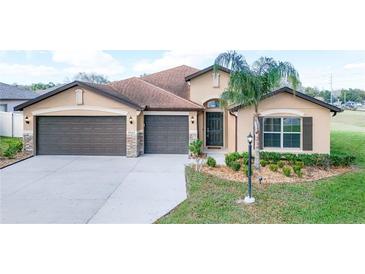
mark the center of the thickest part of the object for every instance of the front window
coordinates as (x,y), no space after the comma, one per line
(283,132)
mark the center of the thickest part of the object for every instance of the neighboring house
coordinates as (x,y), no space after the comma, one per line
(11,96)
(163,112)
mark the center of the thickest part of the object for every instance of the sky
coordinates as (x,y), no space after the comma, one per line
(314,67)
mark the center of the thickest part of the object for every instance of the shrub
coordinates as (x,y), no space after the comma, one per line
(245,169)
(18,146)
(273,167)
(280,164)
(299,164)
(231,158)
(235,166)
(211,162)
(290,157)
(263,163)
(273,157)
(298,170)
(195,147)
(10,152)
(196,151)
(341,159)
(287,171)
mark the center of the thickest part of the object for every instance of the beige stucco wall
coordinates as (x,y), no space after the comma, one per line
(94,104)
(288,105)
(201,91)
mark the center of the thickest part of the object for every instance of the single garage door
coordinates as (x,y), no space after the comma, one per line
(166,134)
(80,135)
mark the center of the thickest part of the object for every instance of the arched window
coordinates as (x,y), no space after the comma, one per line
(213,104)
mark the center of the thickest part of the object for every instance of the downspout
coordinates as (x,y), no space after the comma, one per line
(235,129)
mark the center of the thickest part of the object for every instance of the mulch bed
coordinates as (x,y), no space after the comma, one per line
(270,177)
(4,162)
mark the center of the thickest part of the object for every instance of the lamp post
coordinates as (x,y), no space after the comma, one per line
(249,199)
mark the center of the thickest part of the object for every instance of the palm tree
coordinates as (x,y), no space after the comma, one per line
(249,84)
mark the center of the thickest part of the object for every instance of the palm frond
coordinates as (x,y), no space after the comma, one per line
(231,60)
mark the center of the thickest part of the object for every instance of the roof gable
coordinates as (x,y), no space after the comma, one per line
(297,94)
(201,72)
(101,89)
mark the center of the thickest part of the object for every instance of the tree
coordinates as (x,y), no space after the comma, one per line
(314,92)
(355,95)
(91,78)
(248,84)
(42,86)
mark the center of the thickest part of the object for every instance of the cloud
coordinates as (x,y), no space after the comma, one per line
(88,61)
(175,58)
(355,65)
(21,70)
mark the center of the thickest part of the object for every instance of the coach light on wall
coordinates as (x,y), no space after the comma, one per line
(27,120)
(130,120)
(192,119)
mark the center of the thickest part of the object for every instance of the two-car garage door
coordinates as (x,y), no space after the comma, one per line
(81,135)
(106,135)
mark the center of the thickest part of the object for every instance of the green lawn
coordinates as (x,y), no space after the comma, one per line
(349,121)
(5,142)
(339,199)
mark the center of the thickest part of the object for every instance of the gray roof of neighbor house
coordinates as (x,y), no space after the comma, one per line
(296,93)
(11,92)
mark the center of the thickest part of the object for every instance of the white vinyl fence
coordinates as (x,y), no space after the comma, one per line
(11,124)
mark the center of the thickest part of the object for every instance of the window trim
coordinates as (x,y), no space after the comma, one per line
(282,133)
(215,101)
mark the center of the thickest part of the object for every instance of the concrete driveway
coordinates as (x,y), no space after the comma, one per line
(83,189)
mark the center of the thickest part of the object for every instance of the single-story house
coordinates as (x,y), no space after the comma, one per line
(11,96)
(164,111)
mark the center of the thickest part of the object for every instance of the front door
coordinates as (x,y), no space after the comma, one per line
(214,129)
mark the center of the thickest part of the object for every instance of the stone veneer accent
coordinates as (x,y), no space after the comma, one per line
(193,135)
(28,142)
(140,142)
(132,150)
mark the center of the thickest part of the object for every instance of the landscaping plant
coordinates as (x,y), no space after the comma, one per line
(281,164)
(263,163)
(273,167)
(196,152)
(211,162)
(235,166)
(298,170)
(287,171)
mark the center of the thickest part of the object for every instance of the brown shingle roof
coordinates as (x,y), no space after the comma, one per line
(172,80)
(153,97)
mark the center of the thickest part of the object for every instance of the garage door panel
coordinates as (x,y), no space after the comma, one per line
(166,134)
(81,135)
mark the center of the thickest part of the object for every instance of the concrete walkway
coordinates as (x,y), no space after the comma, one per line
(83,189)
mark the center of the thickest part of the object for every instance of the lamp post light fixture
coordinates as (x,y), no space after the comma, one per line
(249,199)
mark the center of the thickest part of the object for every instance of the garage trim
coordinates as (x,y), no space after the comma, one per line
(83,107)
(117,145)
